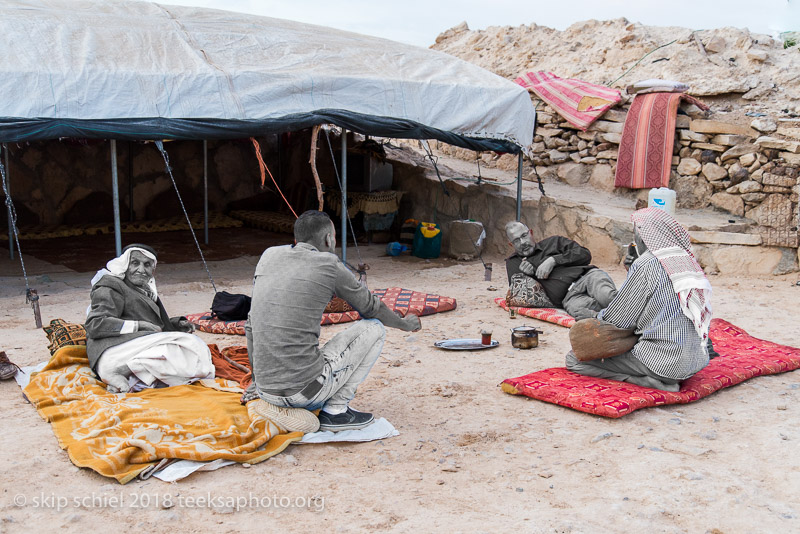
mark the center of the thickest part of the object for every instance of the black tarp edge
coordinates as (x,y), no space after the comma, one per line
(39,129)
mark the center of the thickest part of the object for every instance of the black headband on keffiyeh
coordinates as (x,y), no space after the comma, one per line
(670,243)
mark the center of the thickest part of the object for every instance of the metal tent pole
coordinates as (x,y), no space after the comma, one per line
(344,195)
(8,186)
(519,187)
(205,188)
(115,195)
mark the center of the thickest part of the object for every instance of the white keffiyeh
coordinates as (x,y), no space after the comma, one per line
(671,244)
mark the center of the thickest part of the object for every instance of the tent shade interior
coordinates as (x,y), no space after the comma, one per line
(139,70)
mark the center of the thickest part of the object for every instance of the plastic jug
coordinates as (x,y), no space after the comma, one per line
(664,198)
(427,240)
(395,249)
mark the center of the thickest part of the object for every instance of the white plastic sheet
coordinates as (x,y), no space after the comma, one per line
(122,65)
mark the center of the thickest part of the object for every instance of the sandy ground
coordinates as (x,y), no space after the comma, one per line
(469,458)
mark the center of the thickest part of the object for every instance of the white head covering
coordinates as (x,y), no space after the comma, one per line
(118,266)
(671,244)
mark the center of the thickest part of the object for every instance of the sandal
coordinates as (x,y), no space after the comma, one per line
(7,369)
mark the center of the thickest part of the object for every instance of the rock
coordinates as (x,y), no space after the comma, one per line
(739,150)
(775,212)
(574,174)
(688,135)
(737,173)
(685,152)
(774,179)
(788,263)
(760,91)
(747,160)
(609,137)
(730,140)
(602,178)
(682,121)
(710,146)
(549,132)
(716,44)
(689,167)
(708,156)
(776,189)
(717,127)
(764,125)
(737,260)
(714,172)
(793,147)
(692,192)
(607,126)
(727,202)
(757,55)
(753,197)
(588,136)
(557,157)
(725,238)
(601,437)
(607,154)
(749,186)
(615,115)
(788,157)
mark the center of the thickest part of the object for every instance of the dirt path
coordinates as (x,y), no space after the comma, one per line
(469,457)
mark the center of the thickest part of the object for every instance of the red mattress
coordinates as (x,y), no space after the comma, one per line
(741,358)
(551,315)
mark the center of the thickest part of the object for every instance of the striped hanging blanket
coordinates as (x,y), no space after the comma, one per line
(581,103)
(645,151)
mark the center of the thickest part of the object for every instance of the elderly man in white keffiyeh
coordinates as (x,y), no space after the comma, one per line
(666,301)
(131,342)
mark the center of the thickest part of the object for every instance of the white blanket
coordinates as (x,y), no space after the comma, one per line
(173,358)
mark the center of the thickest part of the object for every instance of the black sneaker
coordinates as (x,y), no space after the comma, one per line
(349,420)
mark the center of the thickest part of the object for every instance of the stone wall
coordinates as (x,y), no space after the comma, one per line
(423,199)
(749,171)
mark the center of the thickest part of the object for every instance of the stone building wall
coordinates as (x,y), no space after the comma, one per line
(748,171)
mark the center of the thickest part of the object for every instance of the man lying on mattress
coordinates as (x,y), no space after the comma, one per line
(292,374)
(131,342)
(666,301)
(555,273)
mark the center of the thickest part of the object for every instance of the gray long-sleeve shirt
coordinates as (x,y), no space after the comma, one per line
(292,286)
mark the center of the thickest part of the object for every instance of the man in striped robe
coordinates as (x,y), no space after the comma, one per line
(666,301)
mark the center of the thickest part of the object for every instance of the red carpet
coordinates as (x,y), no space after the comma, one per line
(742,357)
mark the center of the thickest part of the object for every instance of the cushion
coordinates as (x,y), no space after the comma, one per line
(741,358)
(396,298)
(60,333)
(550,315)
(593,339)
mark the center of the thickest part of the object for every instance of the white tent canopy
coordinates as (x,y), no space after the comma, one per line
(138,70)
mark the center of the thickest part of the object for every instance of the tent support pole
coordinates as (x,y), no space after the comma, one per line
(205,188)
(115,196)
(519,187)
(344,196)
(8,185)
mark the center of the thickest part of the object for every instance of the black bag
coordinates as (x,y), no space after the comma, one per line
(230,306)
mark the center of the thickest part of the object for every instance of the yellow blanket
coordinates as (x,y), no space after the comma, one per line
(121,435)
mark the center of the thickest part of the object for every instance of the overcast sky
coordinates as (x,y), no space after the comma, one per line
(418,22)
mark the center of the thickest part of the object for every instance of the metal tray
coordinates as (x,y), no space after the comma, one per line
(464,344)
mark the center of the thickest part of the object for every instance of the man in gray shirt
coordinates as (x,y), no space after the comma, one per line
(292,374)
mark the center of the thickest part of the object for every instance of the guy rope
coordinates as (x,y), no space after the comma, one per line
(31,295)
